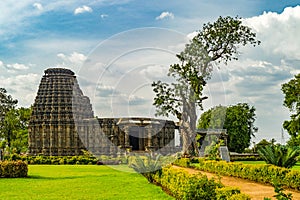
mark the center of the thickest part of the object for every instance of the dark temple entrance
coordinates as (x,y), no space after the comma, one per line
(134,142)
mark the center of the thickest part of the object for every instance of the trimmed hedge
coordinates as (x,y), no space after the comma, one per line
(13,169)
(262,173)
(245,158)
(185,186)
(67,160)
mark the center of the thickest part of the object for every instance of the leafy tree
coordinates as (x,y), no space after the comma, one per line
(261,144)
(10,125)
(237,119)
(6,104)
(15,129)
(13,123)
(216,43)
(280,155)
(291,91)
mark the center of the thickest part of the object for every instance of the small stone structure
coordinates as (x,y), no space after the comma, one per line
(210,135)
(62,123)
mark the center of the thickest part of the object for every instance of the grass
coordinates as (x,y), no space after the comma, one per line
(80,182)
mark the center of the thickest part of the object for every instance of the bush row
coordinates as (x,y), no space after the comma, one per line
(263,173)
(65,160)
(245,158)
(183,185)
(13,169)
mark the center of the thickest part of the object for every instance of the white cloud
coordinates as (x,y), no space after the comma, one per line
(165,15)
(192,35)
(277,32)
(38,6)
(74,58)
(103,16)
(82,9)
(22,87)
(14,67)
(155,72)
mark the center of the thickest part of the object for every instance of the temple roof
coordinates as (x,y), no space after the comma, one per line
(58,71)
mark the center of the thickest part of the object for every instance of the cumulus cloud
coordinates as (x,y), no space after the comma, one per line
(192,35)
(165,15)
(277,32)
(83,9)
(22,87)
(38,6)
(155,71)
(14,67)
(105,90)
(136,100)
(74,58)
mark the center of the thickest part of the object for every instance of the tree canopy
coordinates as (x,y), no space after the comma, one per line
(13,124)
(291,91)
(7,103)
(216,43)
(237,119)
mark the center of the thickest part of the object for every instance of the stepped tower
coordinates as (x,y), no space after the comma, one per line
(58,111)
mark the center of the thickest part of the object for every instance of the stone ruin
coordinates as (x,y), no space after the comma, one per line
(63,124)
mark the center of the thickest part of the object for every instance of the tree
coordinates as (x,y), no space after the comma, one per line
(261,144)
(291,91)
(20,141)
(216,43)
(237,119)
(16,128)
(7,103)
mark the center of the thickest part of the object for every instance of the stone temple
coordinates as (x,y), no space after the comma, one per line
(63,123)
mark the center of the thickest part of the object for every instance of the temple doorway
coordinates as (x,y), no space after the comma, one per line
(134,142)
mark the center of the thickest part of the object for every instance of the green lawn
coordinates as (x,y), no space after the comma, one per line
(80,182)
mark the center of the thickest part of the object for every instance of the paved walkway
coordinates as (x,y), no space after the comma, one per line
(257,191)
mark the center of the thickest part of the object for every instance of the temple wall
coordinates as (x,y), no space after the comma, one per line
(59,104)
(62,123)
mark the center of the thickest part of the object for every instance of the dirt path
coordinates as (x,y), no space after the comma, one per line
(257,191)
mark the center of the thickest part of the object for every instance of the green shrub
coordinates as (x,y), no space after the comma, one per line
(186,186)
(13,169)
(145,165)
(226,192)
(245,158)
(185,162)
(263,173)
(240,196)
(59,160)
(280,155)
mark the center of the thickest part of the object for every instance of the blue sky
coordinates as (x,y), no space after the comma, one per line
(117,48)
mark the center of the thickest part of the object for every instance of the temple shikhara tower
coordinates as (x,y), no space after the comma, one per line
(62,123)
(58,105)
